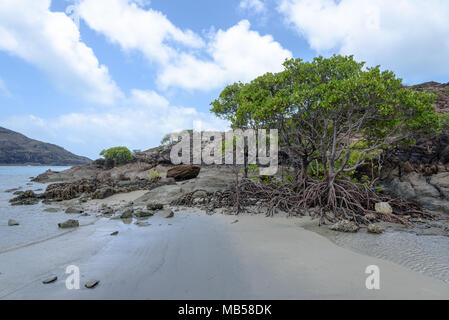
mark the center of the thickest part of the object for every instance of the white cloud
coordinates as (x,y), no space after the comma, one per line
(51,41)
(134,28)
(139,123)
(410,37)
(257,6)
(237,54)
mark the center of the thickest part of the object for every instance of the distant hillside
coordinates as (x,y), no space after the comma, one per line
(16,149)
(442,92)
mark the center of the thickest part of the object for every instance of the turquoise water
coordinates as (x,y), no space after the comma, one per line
(35,224)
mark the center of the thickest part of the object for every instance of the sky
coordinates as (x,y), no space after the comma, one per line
(93,74)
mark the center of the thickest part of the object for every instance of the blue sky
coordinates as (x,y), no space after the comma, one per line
(91,74)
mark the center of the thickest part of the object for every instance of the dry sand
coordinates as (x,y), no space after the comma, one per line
(196,256)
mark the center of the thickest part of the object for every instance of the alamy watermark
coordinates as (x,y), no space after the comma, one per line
(373,280)
(236,147)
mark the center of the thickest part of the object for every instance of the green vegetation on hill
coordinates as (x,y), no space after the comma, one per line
(17,149)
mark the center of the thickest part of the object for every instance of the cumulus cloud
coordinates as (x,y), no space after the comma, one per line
(236,54)
(410,37)
(132,27)
(228,55)
(51,42)
(139,123)
(257,6)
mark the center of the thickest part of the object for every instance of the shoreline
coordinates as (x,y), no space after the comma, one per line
(197,256)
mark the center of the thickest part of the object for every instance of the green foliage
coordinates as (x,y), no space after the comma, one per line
(321,107)
(444,121)
(120,155)
(154,176)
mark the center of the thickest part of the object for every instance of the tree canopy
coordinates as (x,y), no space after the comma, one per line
(324,107)
(120,155)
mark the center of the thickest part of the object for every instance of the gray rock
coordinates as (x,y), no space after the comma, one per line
(114,233)
(52,210)
(142,224)
(344,226)
(167,213)
(69,224)
(383,207)
(127,213)
(441,180)
(155,206)
(374,228)
(72,210)
(50,280)
(12,223)
(92,284)
(144,214)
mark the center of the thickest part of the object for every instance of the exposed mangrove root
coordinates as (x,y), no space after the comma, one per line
(329,201)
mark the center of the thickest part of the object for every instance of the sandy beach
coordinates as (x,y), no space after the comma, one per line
(197,256)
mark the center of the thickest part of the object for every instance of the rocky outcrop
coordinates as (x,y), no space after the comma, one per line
(26,198)
(420,173)
(184,172)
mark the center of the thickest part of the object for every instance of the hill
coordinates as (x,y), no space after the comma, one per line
(17,149)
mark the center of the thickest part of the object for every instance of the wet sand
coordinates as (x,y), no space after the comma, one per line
(196,256)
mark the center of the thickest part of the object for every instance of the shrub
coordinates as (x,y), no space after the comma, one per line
(154,176)
(444,121)
(119,155)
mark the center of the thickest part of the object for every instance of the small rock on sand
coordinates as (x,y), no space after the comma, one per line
(233,222)
(72,210)
(144,214)
(50,280)
(69,224)
(384,207)
(12,223)
(155,206)
(52,210)
(344,226)
(375,229)
(114,233)
(167,213)
(92,284)
(142,224)
(128,213)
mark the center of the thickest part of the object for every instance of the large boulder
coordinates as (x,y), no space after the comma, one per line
(184,172)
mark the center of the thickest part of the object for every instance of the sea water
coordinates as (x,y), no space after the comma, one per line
(35,224)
